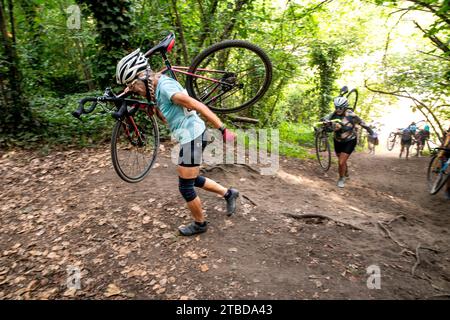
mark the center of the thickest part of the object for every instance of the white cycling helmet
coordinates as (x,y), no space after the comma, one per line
(340,102)
(130,65)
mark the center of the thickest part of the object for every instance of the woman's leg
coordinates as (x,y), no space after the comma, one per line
(195,204)
(343,157)
(212,186)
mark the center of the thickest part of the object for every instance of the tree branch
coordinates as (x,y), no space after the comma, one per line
(438,43)
(406,94)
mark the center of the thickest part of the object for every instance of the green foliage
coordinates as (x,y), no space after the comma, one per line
(296,140)
(324,57)
(114,23)
(56,126)
(315,47)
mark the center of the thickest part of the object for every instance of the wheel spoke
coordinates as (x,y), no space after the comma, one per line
(247,75)
(136,152)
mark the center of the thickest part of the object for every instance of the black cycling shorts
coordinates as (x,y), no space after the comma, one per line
(344,146)
(406,142)
(191,153)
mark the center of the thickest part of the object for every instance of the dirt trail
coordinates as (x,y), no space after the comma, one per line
(70,209)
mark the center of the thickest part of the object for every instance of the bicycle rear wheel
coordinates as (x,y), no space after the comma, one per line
(229,76)
(323,151)
(391,141)
(352,98)
(134,146)
(435,175)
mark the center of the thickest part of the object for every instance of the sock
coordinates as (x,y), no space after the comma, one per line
(228,194)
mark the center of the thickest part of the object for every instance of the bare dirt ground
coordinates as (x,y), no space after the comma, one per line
(69,209)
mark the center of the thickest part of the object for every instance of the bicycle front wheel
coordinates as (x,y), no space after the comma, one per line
(323,151)
(134,146)
(229,76)
(435,175)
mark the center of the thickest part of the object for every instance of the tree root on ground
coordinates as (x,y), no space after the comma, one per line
(249,199)
(388,233)
(407,250)
(395,219)
(320,216)
(221,167)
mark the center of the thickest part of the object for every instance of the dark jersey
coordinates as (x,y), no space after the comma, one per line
(349,120)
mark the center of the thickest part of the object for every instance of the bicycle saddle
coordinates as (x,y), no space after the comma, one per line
(164,46)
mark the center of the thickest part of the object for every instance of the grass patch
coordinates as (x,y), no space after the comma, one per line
(296,140)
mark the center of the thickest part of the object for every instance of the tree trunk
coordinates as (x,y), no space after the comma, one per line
(180,31)
(206,19)
(30,9)
(428,120)
(84,65)
(437,42)
(15,112)
(278,91)
(230,26)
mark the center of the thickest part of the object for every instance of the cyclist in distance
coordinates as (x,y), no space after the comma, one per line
(421,137)
(345,137)
(180,112)
(406,139)
(372,142)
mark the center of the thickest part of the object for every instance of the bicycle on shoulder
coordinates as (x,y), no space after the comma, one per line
(228,76)
(438,170)
(393,138)
(351,95)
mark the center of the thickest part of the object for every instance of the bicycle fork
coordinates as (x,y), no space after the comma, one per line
(128,124)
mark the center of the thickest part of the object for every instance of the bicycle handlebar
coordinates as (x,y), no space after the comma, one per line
(122,110)
(77,113)
(325,122)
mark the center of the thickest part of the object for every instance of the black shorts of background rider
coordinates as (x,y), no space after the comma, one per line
(406,142)
(191,153)
(344,146)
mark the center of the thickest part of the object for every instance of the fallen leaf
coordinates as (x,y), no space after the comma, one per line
(204,268)
(70,292)
(162,290)
(112,290)
(136,209)
(52,255)
(146,220)
(167,235)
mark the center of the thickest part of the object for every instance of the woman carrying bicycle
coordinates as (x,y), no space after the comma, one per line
(179,110)
(344,134)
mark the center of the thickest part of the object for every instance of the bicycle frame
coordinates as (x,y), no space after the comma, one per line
(141,106)
(172,70)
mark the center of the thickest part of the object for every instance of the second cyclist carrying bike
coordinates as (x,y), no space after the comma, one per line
(345,137)
(180,112)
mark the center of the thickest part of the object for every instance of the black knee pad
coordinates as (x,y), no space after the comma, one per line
(186,187)
(200,181)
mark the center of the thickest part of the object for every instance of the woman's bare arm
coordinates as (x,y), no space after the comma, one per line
(188,102)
